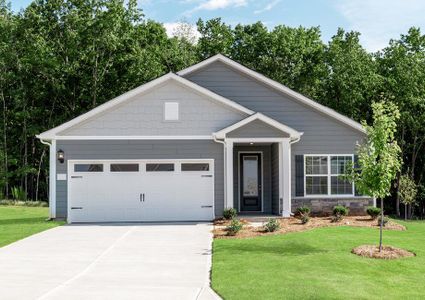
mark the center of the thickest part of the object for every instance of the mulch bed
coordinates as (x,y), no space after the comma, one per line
(388,252)
(294,225)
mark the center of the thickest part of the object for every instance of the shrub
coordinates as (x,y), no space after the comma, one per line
(305,219)
(18,193)
(304,212)
(339,212)
(386,220)
(234,227)
(272,225)
(230,213)
(24,203)
(373,212)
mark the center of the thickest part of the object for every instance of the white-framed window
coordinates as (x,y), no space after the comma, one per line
(171,111)
(322,175)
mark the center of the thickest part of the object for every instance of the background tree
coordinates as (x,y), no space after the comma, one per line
(407,191)
(352,81)
(379,156)
(402,66)
(216,37)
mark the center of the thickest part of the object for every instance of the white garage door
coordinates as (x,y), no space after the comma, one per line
(134,191)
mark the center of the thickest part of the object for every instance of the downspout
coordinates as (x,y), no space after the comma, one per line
(52,175)
(225,167)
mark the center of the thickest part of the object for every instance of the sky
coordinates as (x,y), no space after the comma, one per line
(377,20)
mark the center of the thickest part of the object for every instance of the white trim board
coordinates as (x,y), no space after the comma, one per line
(134,137)
(52,133)
(275,85)
(258,116)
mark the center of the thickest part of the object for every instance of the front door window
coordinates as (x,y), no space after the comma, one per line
(250,181)
(250,176)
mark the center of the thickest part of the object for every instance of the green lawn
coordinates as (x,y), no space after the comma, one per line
(18,222)
(317,264)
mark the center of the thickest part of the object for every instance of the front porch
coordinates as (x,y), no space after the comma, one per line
(256,188)
(258,166)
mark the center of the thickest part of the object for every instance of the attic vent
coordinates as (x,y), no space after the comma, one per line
(171,111)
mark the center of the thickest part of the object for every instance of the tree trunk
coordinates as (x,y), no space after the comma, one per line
(405,212)
(381,225)
(6,177)
(398,196)
(38,174)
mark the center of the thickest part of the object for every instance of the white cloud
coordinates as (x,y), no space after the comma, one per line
(380,20)
(268,7)
(177,28)
(217,4)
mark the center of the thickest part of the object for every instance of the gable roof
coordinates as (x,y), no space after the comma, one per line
(276,86)
(51,134)
(293,134)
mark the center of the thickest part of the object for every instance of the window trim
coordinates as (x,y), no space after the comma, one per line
(328,175)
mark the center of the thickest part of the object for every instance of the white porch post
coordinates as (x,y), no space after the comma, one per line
(229,174)
(52,180)
(285,176)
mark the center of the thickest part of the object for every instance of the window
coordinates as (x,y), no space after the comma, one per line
(316,171)
(159,167)
(124,167)
(323,175)
(171,111)
(88,168)
(340,186)
(196,167)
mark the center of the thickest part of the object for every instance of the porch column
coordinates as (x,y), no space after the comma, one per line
(285,176)
(229,175)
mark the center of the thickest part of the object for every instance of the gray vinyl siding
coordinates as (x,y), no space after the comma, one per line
(138,149)
(143,115)
(275,178)
(322,134)
(267,175)
(256,128)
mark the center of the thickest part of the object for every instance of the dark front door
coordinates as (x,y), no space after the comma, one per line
(250,181)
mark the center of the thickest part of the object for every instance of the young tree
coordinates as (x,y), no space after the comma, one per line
(379,156)
(407,192)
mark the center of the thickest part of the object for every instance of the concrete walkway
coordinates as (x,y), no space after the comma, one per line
(129,261)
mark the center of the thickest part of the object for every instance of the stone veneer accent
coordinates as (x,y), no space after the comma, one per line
(324,206)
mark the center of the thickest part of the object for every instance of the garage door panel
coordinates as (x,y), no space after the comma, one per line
(140,195)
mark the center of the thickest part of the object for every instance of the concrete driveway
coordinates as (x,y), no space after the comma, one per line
(129,261)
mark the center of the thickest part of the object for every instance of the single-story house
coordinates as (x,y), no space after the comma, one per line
(186,146)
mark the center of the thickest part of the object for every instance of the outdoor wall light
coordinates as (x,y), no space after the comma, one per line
(61,156)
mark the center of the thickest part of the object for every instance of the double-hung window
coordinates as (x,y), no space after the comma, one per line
(323,175)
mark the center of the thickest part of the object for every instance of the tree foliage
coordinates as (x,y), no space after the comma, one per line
(379,156)
(60,58)
(407,191)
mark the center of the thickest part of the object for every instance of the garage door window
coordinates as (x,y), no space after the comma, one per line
(124,167)
(88,168)
(159,167)
(196,167)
